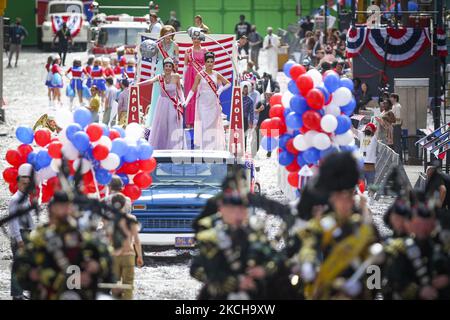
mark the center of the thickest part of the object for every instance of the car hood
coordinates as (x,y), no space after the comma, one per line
(179,194)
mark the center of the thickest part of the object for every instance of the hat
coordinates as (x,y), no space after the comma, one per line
(131,61)
(59,197)
(246,83)
(371,126)
(338,172)
(25,170)
(168,60)
(234,191)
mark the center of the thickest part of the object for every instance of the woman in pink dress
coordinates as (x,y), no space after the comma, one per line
(209,133)
(194,58)
(167,130)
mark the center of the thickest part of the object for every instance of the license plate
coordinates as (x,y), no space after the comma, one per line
(184,242)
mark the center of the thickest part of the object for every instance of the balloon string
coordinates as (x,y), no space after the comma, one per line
(40,193)
(95,183)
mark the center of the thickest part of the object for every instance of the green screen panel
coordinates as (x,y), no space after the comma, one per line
(290,4)
(238,5)
(24,10)
(267,4)
(232,17)
(264,19)
(207,5)
(289,17)
(213,19)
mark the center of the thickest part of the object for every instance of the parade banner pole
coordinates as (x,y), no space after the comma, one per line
(3,4)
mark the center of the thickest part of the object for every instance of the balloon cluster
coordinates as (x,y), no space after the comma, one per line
(99,150)
(310,120)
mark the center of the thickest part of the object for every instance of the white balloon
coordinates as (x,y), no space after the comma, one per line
(56,164)
(44,174)
(62,137)
(329,123)
(286,99)
(111,162)
(134,131)
(321,141)
(315,75)
(342,96)
(332,109)
(300,143)
(309,136)
(104,141)
(63,118)
(85,165)
(69,151)
(344,139)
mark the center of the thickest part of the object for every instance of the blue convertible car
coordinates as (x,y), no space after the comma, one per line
(182,183)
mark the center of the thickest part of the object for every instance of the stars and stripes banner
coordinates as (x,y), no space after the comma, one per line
(399,47)
(441,42)
(73,22)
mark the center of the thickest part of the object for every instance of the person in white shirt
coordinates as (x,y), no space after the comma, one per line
(397,126)
(368,149)
(110,113)
(155,26)
(271,44)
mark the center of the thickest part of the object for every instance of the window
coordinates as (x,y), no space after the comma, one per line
(132,34)
(65,8)
(111,37)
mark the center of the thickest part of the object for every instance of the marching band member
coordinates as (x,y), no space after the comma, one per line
(208,126)
(167,131)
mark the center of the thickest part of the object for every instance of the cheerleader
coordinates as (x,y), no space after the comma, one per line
(98,77)
(118,70)
(108,70)
(209,133)
(57,81)
(88,69)
(130,71)
(48,80)
(76,82)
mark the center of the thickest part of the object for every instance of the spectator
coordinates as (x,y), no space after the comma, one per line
(249,113)
(368,149)
(396,109)
(329,56)
(242,44)
(338,67)
(122,108)
(198,22)
(271,44)
(443,182)
(94,104)
(251,70)
(109,116)
(306,63)
(155,26)
(357,89)
(364,98)
(306,25)
(255,41)
(243,28)
(173,21)
(325,67)
(64,38)
(16,34)
(385,121)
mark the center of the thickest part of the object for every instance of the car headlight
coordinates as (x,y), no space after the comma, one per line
(138,206)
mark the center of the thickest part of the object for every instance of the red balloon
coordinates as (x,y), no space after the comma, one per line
(94,131)
(311,120)
(362,186)
(290,147)
(47,193)
(278,127)
(293,179)
(88,178)
(275,99)
(304,84)
(71,168)
(14,158)
(315,99)
(293,167)
(13,188)
(129,168)
(42,137)
(10,175)
(147,165)
(25,150)
(296,71)
(100,152)
(277,111)
(143,180)
(266,127)
(304,130)
(114,134)
(132,191)
(54,183)
(54,150)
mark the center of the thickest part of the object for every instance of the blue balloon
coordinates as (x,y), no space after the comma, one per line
(347,83)
(31,158)
(328,151)
(105,129)
(43,159)
(311,155)
(283,139)
(145,151)
(300,160)
(103,176)
(86,92)
(124,178)
(298,104)
(344,124)
(131,154)
(294,120)
(25,134)
(142,141)
(331,82)
(120,130)
(349,108)
(285,158)
(72,129)
(292,87)
(82,116)
(287,111)
(119,146)
(81,141)
(269,143)
(325,92)
(287,68)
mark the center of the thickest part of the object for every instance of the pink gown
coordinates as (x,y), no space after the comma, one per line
(209,133)
(167,130)
(189,78)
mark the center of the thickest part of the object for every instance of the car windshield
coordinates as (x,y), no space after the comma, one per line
(64,7)
(199,173)
(114,37)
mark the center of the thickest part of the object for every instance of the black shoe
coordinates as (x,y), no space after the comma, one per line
(269,154)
